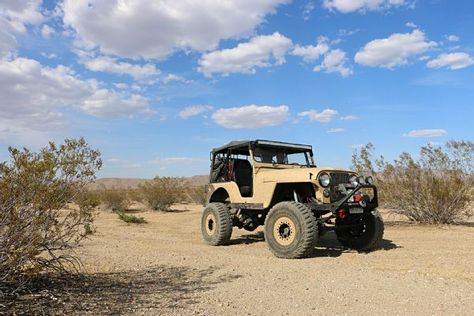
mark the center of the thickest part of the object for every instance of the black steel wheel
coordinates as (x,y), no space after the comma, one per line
(365,234)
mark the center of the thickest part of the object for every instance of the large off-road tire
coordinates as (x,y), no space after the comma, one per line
(366,237)
(291,230)
(216,224)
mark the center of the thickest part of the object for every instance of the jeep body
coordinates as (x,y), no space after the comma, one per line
(249,178)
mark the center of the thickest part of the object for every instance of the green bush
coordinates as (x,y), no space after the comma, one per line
(434,189)
(128,218)
(161,193)
(37,231)
(115,199)
(88,198)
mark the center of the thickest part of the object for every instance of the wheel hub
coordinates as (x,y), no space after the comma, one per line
(210,224)
(284,231)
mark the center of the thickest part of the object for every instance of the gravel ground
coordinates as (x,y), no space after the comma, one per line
(419,270)
(164,268)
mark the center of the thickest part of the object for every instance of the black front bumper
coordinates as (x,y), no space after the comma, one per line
(344,203)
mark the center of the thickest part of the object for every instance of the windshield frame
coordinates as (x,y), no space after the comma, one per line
(308,154)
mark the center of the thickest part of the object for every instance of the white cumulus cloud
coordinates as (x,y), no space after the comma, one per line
(260,51)
(111,104)
(251,116)
(312,52)
(394,50)
(426,133)
(308,10)
(47,31)
(349,118)
(23,11)
(7,37)
(334,62)
(31,93)
(324,116)
(34,96)
(453,38)
(346,6)
(453,61)
(193,110)
(112,65)
(155,29)
(14,16)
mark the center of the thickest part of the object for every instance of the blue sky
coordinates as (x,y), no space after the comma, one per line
(156,84)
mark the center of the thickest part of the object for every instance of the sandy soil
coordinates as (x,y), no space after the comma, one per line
(164,268)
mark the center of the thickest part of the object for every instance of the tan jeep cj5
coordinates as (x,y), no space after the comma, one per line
(277,185)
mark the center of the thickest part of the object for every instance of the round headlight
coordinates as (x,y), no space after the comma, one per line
(369,180)
(324,179)
(353,181)
(361,179)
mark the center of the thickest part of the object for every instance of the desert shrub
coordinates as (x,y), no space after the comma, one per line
(135,195)
(161,192)
(37,231)
(88,198)
(115,199)
(129,218)
(89,229)
(196,194)
(436,188)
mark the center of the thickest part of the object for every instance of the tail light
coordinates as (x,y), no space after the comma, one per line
(341,214)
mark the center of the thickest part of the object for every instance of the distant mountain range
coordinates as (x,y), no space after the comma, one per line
(131,183)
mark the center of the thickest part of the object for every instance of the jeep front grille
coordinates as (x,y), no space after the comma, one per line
(336,179)
(339,177)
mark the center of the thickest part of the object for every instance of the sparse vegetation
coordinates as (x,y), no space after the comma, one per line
(88,198)
(162,192)
(37,231)
(436,188)
(129,218)
(115,199)
(134,195)
(197,194)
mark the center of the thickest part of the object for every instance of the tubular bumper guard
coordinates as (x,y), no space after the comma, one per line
(349,192)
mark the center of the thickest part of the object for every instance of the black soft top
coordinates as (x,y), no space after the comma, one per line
(241,147)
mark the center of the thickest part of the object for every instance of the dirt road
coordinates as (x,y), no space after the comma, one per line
(163,267)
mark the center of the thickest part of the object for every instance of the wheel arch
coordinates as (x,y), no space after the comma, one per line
(220,195)
(284,192)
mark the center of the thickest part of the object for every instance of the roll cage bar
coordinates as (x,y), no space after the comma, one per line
(242,147)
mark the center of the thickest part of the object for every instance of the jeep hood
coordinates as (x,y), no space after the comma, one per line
(295,174)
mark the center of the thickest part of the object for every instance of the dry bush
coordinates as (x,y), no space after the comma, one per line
(135,195)
(161,192)
(88,198)
(37,232)
(435,189)
(196,194)
(115,199)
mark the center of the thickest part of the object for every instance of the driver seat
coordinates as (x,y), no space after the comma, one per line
(242,173)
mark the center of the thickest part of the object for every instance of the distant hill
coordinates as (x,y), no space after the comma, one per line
(125,183)
(198,180)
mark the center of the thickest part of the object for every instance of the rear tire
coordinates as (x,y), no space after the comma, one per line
(216,224)
(367,237)
(291,230)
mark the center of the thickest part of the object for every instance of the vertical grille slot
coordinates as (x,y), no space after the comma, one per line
(336,179)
